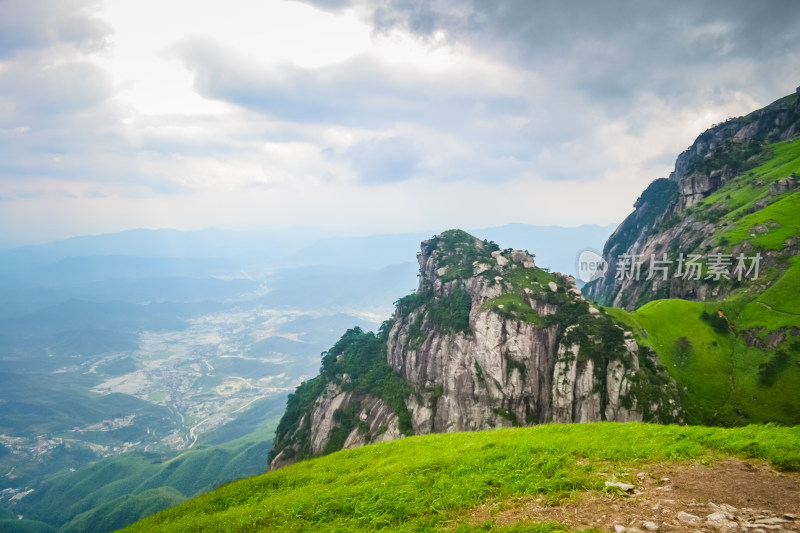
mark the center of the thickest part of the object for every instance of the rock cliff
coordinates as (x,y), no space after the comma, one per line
(688,212)
(487,340)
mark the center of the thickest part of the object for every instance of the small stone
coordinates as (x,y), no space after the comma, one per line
(687,518)
(790,516)
(623,486)
(553,286)
(650,526)
(641,475)
(619,529)
(721,521)
(771,521)
(665,479)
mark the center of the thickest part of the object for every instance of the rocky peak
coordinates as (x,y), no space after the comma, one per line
(728,149)
(696,210)
(739,139)
(487,340)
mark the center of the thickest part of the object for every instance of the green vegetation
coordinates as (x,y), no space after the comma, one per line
(654,201)
(362,356)
(778,221)
(117,491)
(124,510)
(513,307)
(457,250)
(722,380)
(768,372)
(512,364)
(450,314)
(520,285)
(737,156)
(431,482)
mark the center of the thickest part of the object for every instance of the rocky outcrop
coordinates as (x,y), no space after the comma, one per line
(376,422)
(664,223)
(503,370)
(488,340)
(779,121)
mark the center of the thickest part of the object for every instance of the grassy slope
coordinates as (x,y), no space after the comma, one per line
(425,483)
(720,376)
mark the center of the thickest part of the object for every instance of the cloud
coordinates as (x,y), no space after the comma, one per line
(613,50)
(367,113)
(38,24)
(362,91)
(384,160)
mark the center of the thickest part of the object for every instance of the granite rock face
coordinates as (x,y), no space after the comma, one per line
(489,340)
(663,220)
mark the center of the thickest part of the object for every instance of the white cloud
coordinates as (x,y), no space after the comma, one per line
(395,115)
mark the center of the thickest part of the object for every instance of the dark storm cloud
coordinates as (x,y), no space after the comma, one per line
(616,48)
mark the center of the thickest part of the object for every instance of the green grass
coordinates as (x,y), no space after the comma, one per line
(513,307)
(514,302)
(782,296)
(719,379)
(705,375)
(778,306)
(426,483)
(741,193)
(781,219)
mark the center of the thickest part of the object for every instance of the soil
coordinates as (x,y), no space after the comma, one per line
(731,496)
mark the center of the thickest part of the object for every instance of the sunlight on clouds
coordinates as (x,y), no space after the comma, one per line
(266,33)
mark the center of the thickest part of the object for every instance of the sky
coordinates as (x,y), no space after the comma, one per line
(364,117)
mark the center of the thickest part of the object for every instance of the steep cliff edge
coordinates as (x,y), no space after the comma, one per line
(487,340)
(734,191)
(708,268)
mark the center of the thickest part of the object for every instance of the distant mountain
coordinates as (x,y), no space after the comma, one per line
(556,247)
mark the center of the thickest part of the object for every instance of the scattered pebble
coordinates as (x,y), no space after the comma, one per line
(627,487)
(687,518)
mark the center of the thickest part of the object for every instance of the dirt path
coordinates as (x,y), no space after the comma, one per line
(730,496)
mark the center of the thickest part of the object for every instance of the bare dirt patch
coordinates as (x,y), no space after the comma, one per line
(731,496)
